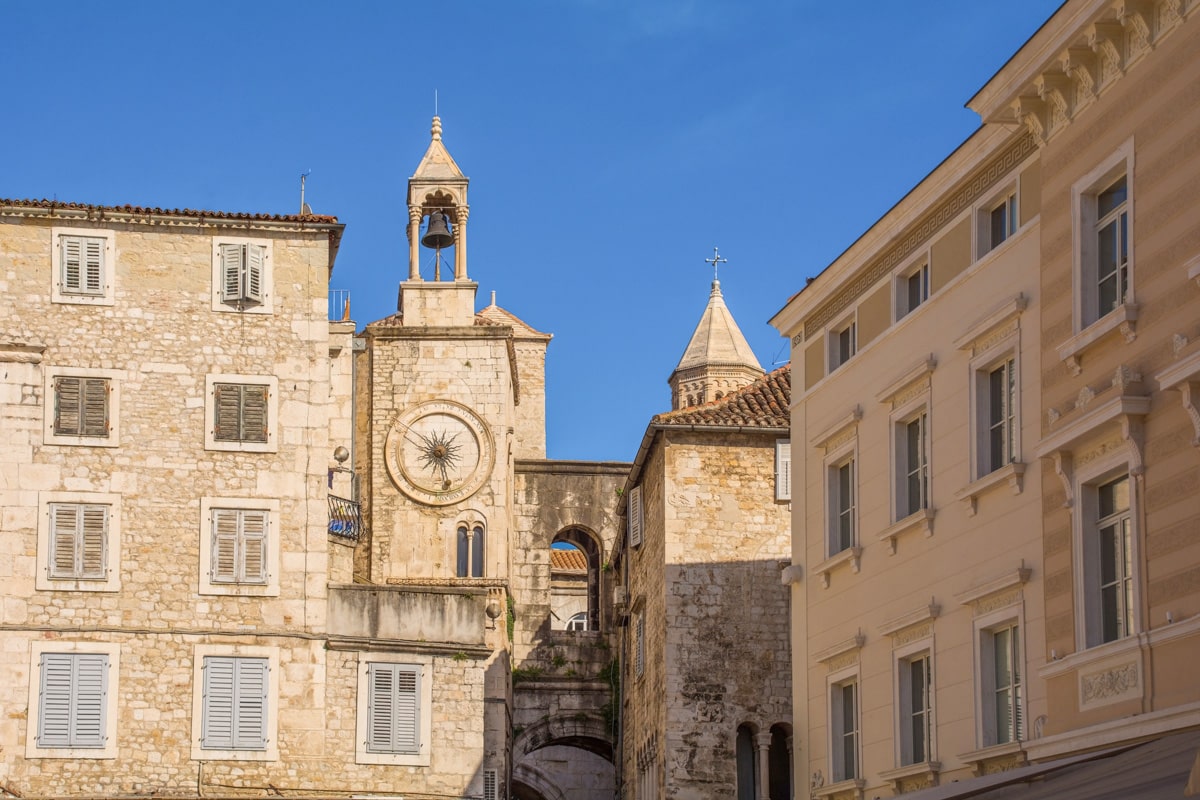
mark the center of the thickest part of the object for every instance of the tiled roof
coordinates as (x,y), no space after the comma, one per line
(762,404)
(170,212)
(568,560)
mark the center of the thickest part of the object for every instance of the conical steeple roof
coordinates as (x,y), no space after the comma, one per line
(718,359)
(717,340)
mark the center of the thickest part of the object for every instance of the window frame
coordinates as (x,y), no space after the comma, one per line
(206,584)
(902,418)
(1085,272)
(269,655)
(836,354)
(111,694)
(988,731)
(834,462)
(50,436)
(1096,523)
(903,660)
(211,442)
(783,470)
(836,684)
(267,277)
(470,542)
(423,665)
(1005,199)
(112,544)
(107,294)
(919,269)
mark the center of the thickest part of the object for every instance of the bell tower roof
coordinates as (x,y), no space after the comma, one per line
(718,359)
(437,164)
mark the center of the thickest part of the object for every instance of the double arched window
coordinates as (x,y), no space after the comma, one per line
(471,549)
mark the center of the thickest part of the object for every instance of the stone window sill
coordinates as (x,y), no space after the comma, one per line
(1013,474)
(1122,318)
(978,759)
(920,521)
(1084,658)
(902,775)
(850,788)
(851,556)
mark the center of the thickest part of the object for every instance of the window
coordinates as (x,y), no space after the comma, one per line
(78,542)
(639,645)
(1001,701)
(1103,204)
(747,764)
(241,413)
(470,551)
(578,622)
(242,275)
(1114,572)
(239,546)
(72,700)
(82,266)
(843,713)
(912,290)
(394,709)
(841,505)
(81,407)
(915,709)
(1002,221)
(783,469)
(843,343)
(912,465)
(234,715)
(1000,411)
(635,516)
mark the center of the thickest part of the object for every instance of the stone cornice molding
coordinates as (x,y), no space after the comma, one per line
(855,642)
(1127,410)
(917,372)
(997,318)
(1006,580)
(925,613)
(829,438)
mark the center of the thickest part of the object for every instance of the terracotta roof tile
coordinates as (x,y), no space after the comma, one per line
(172,212)
(568,560)
(762,404)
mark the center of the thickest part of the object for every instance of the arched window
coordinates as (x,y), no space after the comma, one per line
(470,551)
(779,763)
(575,581)
(747,766)
(579,622)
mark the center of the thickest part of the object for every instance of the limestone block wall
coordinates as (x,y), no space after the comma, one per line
(726,650)
(530,438)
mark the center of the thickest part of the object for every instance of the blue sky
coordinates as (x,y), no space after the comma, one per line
(611,144)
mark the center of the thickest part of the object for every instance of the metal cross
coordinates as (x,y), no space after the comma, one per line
(715,260)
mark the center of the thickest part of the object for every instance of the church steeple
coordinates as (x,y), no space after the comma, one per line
(718,359)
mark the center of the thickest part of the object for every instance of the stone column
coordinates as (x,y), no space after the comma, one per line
(762,742)
(460,243)
(414,243)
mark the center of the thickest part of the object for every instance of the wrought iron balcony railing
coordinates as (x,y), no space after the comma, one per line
(345,518)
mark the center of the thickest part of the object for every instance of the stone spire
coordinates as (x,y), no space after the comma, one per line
(718,359)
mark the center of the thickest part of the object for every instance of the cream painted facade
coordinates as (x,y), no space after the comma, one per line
(994,436)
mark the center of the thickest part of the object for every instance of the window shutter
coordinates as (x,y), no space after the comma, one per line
(250,711)
(216,726)
(254,413)
(253,276)
(639,656)
(64,535)
(783,470)
(68,395)
(489,785)
(72,700)
(224,561)
(93,558)
(227,401)
(54,713)
(71,263)
(95,407)
(91,690)
(254,546)
(393,708)
(232,258)
(93,266)
(635,517)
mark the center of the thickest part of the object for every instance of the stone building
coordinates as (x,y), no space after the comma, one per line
(706,686)
(995,562)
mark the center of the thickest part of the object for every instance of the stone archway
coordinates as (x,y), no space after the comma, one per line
(530,783)
(582,730)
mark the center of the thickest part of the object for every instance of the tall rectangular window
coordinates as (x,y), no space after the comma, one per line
(843,711)
(912,291)
(234,706)
(1003,688)
(72,704)
(1002,221)
(783,469)
(470,551)
(81,406)
(912,449)
(843,343)
(78,541)
(915,709)
(81,265)
(393,708)
(841,504)
(1001,416)
(239,546)
(1112,246)
(1105,260)
(1115,535)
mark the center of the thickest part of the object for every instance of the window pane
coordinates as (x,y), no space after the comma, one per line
(463,560)
(1111,197)
(1107,267)
(999,224)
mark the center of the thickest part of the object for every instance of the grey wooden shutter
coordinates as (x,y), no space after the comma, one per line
(223,566)
(252,278)
(393,707)
(94,407)
(232,260)
(253,545)
(227,407)
(635,517)
(254,413)
(64,534)
(234,714)
(72,700)
(783,470)
(68,397)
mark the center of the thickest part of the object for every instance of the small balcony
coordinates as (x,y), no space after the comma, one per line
(345,519)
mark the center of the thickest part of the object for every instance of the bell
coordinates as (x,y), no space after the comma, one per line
(438,234)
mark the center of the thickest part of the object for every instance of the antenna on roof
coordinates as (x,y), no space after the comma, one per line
(304,207)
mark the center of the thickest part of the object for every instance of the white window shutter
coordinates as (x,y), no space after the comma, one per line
(232,261)
(72,700)
(71,263)
(93,266)
(54,713)
(217,714)
(407,707)
(393,708)
(783,470)
(91,690)
(250,709)
(223,565)
(252,278)
(635,517)
(64,537)
(254,531)
(93,542)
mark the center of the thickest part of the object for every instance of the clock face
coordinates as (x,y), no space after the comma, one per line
(439,452)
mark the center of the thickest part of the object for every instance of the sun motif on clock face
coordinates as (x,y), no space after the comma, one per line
(439,452)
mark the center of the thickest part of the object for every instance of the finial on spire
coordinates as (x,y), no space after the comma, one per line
(715,260)
(436,130)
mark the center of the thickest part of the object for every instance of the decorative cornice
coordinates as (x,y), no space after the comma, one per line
(1005,313)
(914,617)
(1007,580)
(830,434)
(921,370)
(855,642)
